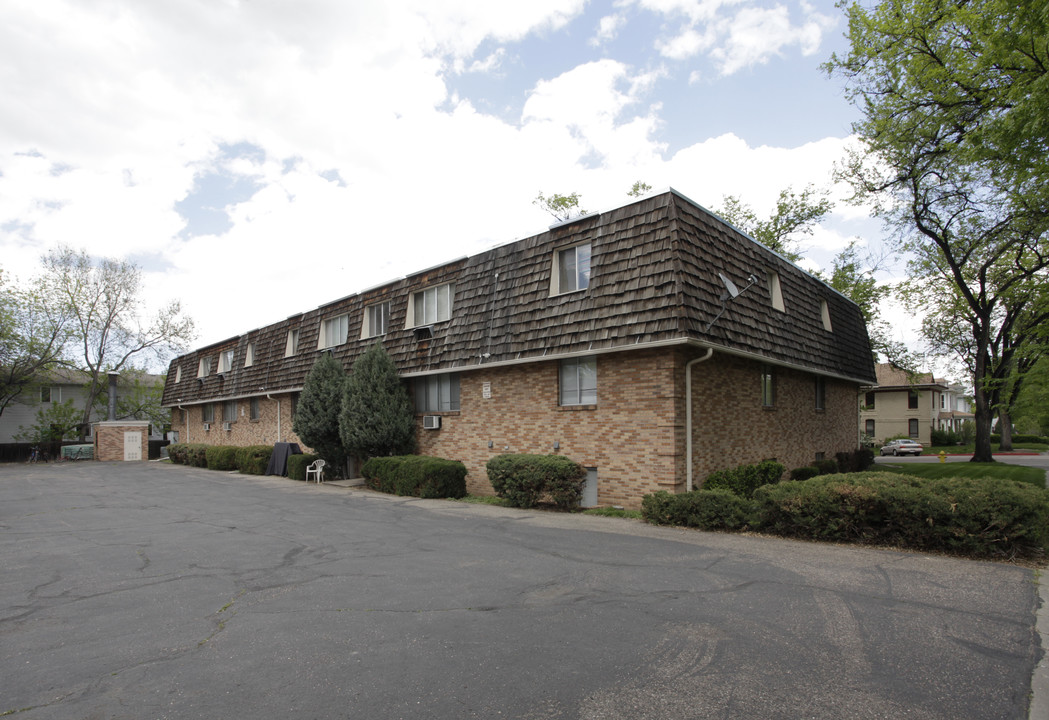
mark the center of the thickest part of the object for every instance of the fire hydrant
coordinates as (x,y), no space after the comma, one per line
(943,456)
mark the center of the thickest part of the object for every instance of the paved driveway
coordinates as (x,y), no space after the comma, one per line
(155,591)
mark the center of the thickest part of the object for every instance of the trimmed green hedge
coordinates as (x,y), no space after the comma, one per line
(804,473)
(523,480)
(297,465)
(1017,438)
(703,509)
(979,517)
(745,479)
(221,457)
(254,459)
(416,475)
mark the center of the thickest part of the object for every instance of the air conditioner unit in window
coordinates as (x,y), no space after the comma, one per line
(207,426)
(431,422)
(227,426)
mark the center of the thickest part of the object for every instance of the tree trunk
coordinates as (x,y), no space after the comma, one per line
(982,410)
(1005,429)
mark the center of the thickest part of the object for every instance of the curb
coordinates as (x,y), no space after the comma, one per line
(1039,707)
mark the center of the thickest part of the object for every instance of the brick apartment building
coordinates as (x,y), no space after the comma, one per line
(652,343)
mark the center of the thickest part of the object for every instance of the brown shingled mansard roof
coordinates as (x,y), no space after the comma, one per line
(654,281)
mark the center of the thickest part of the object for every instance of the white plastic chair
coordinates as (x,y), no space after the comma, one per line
(316,468)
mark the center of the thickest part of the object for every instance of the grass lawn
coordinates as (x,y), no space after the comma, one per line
(1032,475)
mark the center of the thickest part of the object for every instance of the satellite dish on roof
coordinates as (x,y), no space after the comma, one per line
(730,287)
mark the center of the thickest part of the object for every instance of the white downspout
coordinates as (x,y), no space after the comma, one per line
(688,416)
(270,397)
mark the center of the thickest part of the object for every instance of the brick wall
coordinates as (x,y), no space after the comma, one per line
(109,441)
(630,435)
(243,431)
(731,427)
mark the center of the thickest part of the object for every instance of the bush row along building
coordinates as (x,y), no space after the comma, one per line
(652,343)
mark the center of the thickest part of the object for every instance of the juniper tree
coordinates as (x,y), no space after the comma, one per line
(316,420)
(377,416)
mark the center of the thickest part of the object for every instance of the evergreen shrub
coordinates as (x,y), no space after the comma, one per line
(523,480)
(804,473)
(745,479)
(703,509)
(254,459)
(980,517)
(827,466)
(177,453)
(416,475)
(196,455)
(221,457)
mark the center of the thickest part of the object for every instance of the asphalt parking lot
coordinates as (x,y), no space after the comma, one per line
(135,590)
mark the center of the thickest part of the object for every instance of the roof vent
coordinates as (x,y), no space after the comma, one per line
(423,332)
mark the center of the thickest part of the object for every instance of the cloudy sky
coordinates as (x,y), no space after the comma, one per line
(259,158)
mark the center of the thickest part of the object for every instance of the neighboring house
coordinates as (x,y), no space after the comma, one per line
(59,386)
(911,405)
(595,339)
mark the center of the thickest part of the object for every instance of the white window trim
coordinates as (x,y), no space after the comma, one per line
(226,361)
(825,315)
(291,347)
(249,355)
(204,367)
(178,373)
(366,324)
(775,291)
(555,269)
(574,364)
(322,339)
(409,321)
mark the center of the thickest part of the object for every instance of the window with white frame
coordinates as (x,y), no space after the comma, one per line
(229,411)
(291,347)
(334,331)
(376,320)
(775,291)
(578,381)
(432,305)
(572,271)
(825,315)
(49,394)
(204,367)
(225,361)
(249,355)
(437,393)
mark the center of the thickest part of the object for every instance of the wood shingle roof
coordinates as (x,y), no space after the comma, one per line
(653,280)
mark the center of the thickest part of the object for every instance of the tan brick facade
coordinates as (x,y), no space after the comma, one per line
(634,435)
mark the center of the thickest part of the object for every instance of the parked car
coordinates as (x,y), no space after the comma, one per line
(902,447)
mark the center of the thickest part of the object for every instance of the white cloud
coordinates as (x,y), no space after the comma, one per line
(128,105)
(608,29)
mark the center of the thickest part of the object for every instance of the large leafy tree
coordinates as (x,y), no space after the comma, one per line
(103,300)
(377,417)
(316,419)
(33,336)
(795,215)
(954,96)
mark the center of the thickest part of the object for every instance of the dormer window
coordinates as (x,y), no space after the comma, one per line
(225,361)
(775,292)
(376,320)
(249,355)
(431,305)
(291,347)
(334,332)
(178,373)
(825,315)
(204,367)
(571,271)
